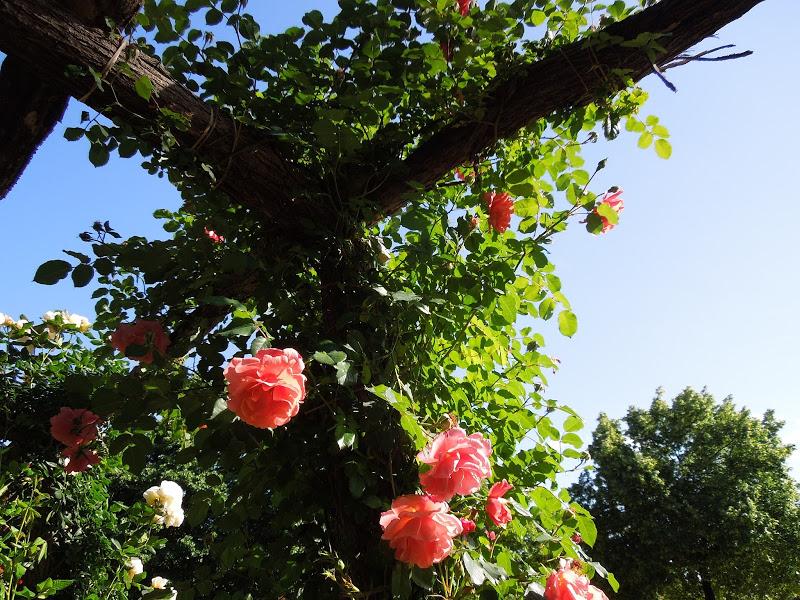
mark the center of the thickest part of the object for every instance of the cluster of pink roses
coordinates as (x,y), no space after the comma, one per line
(266,390)
(569,584)
(76,428)
(420,528)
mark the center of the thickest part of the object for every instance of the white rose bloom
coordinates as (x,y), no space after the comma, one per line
(135,567)
(171,494)
(21,323)
(159,583)
(168,498)
(173,517)
(81,322)
(152,496)
(51,315)
(6,320)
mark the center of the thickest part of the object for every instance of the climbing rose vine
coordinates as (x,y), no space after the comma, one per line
(346,394)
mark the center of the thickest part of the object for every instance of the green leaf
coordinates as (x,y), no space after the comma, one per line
(98,154)
(74,133)
(645,140)
(587,528)
(52,271)
(82,275)
(401,582)
(663,148)
(474,569)
(567,323)
(144,87)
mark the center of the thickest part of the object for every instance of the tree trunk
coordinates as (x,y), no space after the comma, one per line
(31,105)
(708,590)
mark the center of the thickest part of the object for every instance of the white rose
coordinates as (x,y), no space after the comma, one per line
(173,517)
(81,322)
(21,323)
(171,494)
(135,567)
(152,495)
(159,583)
(167,497)
(51,315)
(6,320)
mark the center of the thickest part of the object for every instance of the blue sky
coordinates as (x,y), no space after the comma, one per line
(698,285)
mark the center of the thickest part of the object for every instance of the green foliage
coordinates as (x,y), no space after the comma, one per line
(694,490)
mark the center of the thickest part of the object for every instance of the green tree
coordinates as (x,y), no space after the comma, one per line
(693,498)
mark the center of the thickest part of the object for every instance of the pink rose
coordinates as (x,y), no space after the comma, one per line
(464,7)
(616,203)
(79,459)
(420,530)
(496,505)
(148,334)
(459,463)
(74,426)
(500,207)
(266,390)
(567,584)
(213,235)
(467,526)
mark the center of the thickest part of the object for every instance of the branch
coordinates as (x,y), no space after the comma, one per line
(572,76)
(32,107)
(48,40)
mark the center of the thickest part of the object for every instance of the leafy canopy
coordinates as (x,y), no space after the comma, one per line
(694,489)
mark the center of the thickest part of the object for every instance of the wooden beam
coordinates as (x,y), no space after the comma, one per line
(571,76)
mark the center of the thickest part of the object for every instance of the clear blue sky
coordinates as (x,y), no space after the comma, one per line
(698,285)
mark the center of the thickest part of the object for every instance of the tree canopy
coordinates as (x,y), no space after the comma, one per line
(334,356)
(692,498)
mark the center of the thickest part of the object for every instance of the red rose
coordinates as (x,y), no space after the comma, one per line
(496,505)
(459,463)
(615,202)
(266,390)
(74,426)
(420,530)
(500,207)
(148,334)
(79,459)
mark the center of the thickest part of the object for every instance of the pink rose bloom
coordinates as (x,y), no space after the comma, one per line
(213,235)
(420,530)
(464,7)
(567,584)
(617,205)
(500,207)
(74,426)
(266,390)
(496,505)
(459,463)
(79,459)
(467,526)
(149,334)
